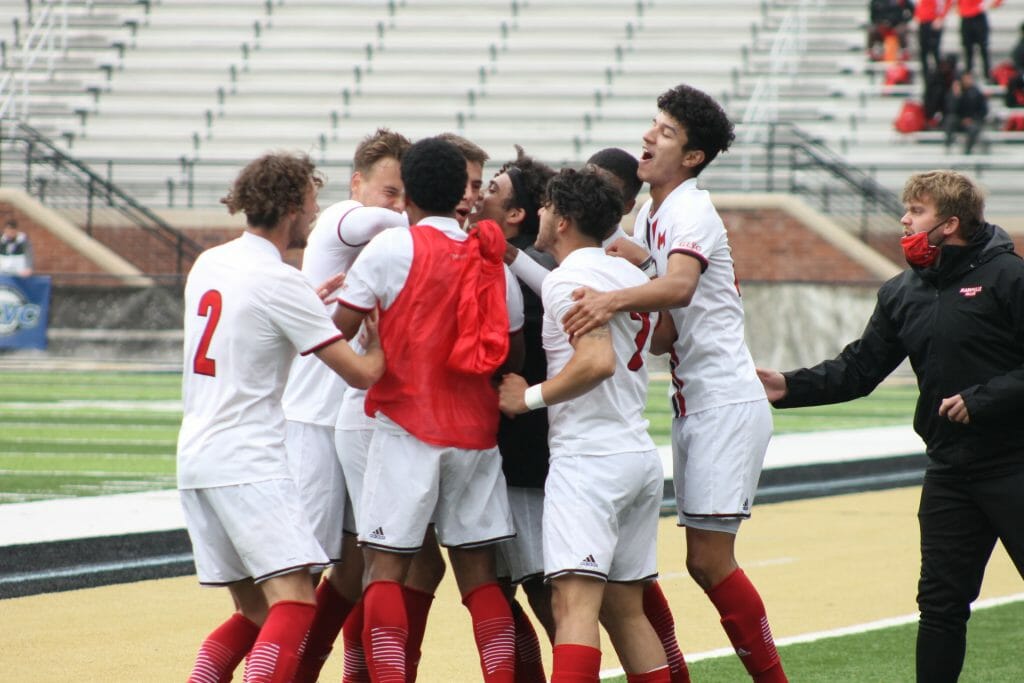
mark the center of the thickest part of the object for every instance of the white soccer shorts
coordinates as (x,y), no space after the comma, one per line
(410,483)
(353,447)
(314,466)
(717,458)
(522,558)
(601,516)
(255,531)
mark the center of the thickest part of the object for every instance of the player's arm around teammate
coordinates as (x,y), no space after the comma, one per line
(605,474)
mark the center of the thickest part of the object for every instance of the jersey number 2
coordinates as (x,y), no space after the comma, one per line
(209,307)
(636,361)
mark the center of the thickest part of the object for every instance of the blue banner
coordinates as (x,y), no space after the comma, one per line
(24,311)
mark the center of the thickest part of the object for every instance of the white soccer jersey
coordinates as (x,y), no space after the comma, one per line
(609,418)
(313,393)
(711,364)
(246,314)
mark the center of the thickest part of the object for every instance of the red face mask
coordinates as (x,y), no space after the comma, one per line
(918,250)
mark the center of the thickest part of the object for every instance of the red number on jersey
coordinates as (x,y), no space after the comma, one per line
(209,307)
(637,360)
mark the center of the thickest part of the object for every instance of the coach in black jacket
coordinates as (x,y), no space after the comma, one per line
(958,313)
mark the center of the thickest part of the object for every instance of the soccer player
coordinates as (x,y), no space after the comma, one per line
(620,168)
(603,491)
(314,393)
(444,318)
(246,314)
(475,157)
(512,199)
(428,567)
(722,421)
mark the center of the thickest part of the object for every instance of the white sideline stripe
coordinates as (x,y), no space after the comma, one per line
(60,519)
(837,632)
(85,570)
(839,445)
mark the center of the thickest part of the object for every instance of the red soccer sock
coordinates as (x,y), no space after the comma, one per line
(658,613)
(494,631)
(356,670)
(746,623)
(385,631)
(576,664)
(223,650)
(275,654)
(417,607)
(660,675)
(331,610)
(529,665)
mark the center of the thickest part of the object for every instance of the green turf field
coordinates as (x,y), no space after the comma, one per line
(886,655)
(91,433)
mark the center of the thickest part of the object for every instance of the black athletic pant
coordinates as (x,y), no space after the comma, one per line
(974,32)
(929,38)
(961,518)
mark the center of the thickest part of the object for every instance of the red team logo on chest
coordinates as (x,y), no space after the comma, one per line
(969,292)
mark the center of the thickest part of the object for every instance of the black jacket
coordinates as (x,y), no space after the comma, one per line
(962,325)
(523,441)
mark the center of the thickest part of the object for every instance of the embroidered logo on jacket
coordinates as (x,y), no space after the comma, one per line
(971,291)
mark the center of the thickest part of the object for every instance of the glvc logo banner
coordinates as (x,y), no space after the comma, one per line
(24,310)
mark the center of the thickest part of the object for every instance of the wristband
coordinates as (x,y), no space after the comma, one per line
(534,398)
(649,268)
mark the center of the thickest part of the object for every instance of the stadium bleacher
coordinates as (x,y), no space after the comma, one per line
(197,87)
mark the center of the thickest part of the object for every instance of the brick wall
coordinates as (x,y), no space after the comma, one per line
(52,255)
(768,245)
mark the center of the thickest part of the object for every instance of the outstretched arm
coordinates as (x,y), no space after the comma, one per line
(774,384)
(360,371)
(674,290)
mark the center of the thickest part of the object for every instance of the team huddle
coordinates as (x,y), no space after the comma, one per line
(475,380)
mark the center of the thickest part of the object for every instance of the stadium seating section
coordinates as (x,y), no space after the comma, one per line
(164,92)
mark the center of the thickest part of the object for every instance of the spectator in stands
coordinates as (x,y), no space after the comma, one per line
(930,15)
(888,19)
(1018,52)
(15,251)
(937,87)
(974,32)
(966,109)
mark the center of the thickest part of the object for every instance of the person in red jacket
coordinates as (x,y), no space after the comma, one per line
(930,16)
(974,32)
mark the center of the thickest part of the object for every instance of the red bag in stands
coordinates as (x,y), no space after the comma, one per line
(1003,72)
(911,117)
(1014,122)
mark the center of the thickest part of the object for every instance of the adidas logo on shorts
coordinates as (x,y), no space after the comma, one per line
(377,533)
(588,561)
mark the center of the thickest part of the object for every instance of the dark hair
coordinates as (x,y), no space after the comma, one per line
(529,178)
(472,152)
(587,198)
(434,175)
(623,166)
(272,186)
(382,144)
(708,128)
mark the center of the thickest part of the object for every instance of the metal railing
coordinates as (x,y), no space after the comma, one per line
(786,159)
(29,160)
(787,48)
(46,40)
